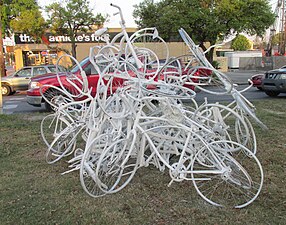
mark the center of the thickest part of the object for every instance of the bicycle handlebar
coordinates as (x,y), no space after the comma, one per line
(216,45)
(120,13)
(212,46)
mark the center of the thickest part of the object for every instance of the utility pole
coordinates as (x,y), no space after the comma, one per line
(2,67)
(282,29)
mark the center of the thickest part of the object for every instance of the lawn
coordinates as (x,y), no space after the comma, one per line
(33,192)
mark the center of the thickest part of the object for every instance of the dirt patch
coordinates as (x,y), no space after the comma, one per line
(34,117)
(274,112)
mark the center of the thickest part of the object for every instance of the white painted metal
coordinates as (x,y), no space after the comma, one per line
(143,121)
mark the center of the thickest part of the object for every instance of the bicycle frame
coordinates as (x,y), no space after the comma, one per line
(138,118)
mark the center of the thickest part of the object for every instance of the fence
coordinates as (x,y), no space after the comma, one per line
(261,63)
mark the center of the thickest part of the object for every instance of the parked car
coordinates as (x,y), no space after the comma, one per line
(34,96)
(257,80)
(274,82)
(20,79)
(34,93)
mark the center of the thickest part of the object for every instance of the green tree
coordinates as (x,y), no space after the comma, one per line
(12,12)
(72,17)
(19,15)
(205,20)
(240,43)
(277,38)
(31,23)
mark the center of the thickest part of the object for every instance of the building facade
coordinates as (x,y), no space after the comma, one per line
(28,52)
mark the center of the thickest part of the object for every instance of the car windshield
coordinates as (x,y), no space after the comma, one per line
(75,67)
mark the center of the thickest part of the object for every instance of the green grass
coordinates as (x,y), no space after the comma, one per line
(33,192)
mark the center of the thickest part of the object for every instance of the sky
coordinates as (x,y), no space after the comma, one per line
(103,6)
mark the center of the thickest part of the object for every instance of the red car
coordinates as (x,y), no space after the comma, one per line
(35,98)
(257,80)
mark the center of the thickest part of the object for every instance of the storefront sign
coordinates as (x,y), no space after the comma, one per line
(7,41)
(81,38)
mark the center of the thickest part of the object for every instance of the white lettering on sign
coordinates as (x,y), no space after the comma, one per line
(79,38)
(87,38)
(24,38)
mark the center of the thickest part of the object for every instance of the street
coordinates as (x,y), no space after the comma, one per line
(17,103)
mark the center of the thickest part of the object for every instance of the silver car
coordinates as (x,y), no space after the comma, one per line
(19,80)
(274,82)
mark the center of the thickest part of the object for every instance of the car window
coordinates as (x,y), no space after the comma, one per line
(39,71)
(53,69)
(89,69)
(24,72)
(83,62)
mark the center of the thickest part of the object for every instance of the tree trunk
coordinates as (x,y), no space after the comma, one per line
(209,54)
(74,48)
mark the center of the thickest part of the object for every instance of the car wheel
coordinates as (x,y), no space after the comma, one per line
(6,90)
(48,107)
(51,97)
(272,93)
(54,98)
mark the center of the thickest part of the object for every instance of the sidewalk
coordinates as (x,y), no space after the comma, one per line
(242,76)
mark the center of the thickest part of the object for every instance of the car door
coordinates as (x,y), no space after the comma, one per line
(21,78)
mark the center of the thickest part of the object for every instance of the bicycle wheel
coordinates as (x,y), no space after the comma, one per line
(168,141)
(170,90)
(246,108)
(116,106)
(107,55)
(225,124)
(88,166)
(208,80)
(249,141)
(150,62)
(54,97)
(64,144)
(51,126)
(175,69)
(195,49)
(149,38)
(234,180)
(117,165)
(77,83)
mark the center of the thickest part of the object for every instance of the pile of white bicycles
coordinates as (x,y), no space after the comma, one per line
(145,113)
